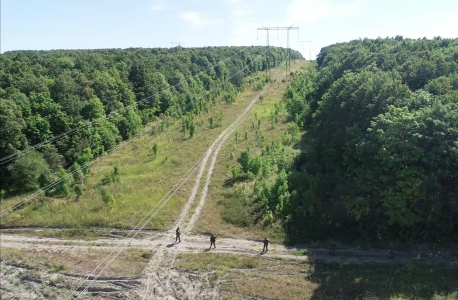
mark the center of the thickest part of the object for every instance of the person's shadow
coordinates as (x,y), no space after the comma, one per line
(171,245)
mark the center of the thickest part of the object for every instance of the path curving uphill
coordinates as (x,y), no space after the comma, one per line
(161,282)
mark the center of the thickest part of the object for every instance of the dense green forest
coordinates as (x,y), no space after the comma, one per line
(44,94)
(379,153)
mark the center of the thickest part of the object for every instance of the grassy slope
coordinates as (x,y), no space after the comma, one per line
(224,213)
(248,277)
(144,179)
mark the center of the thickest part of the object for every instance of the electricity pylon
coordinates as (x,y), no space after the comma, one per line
(179,43)
(310,48)
(288,58)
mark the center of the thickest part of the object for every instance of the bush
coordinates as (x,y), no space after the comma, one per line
(107,198)
(63,187)
(109,178)
(26,171)
(78,189)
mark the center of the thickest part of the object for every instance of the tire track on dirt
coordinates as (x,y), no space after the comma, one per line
(155,278)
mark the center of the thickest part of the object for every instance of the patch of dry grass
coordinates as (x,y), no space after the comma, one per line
(129,263)
(228,215)
(268,278)
(143,178)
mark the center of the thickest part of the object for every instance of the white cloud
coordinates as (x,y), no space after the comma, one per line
(195,19)
(309,10)
(159,5)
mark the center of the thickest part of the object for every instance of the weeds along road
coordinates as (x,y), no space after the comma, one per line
(161,281)
(160,278)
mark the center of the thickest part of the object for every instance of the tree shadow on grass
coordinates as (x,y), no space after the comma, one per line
(376,281)
(231,181)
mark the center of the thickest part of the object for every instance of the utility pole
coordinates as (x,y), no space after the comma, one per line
(179,43)
(310,48)
(288,56)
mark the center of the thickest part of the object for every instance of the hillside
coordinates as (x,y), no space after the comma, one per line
(379,152)
(220,197)
(78,104)
(143,175)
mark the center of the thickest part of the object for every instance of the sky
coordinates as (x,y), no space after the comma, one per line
(90,24)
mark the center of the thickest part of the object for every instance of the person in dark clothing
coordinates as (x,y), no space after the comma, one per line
(212,241)
(390,251)
(178,234)
(266,245)
(332,251)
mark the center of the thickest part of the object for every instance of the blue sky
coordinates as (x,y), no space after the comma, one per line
(84,24)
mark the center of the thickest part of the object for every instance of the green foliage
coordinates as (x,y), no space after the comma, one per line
(52,157)
(78,189)
(229,97)
(78,175)
(155,149)
(27,170)
(192,129)
(259,86)
(46,93)
(84,159)
(378,155)
(63,186)
(107,198)
(111,178)
(11,126)
(93,109)
(244,160)
(2,195)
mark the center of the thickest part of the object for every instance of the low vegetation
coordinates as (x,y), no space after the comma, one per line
(120,188)
(47,93)
(256,277)
(251,158)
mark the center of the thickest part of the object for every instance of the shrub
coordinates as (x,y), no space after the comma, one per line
(107,198)
(77,188)
(26,171)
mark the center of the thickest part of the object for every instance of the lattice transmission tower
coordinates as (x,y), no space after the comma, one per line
(288,50)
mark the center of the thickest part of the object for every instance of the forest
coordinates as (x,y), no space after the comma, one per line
(76,105)
(379,153)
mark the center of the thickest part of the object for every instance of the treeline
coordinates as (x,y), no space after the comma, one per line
(47,93)
(380,149)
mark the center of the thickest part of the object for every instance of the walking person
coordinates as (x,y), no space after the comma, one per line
(266,245)
(178,234)
(212,241)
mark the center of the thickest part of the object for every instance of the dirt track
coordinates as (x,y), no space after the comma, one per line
(160,279)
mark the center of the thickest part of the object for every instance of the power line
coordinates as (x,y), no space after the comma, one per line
(50,186)
(288,49)
(74,130)
(174,189)
(310,48)
(214,145)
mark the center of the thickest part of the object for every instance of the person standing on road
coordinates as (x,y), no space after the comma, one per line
(266,245)
(390,250)
(177,238)
(212,241)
